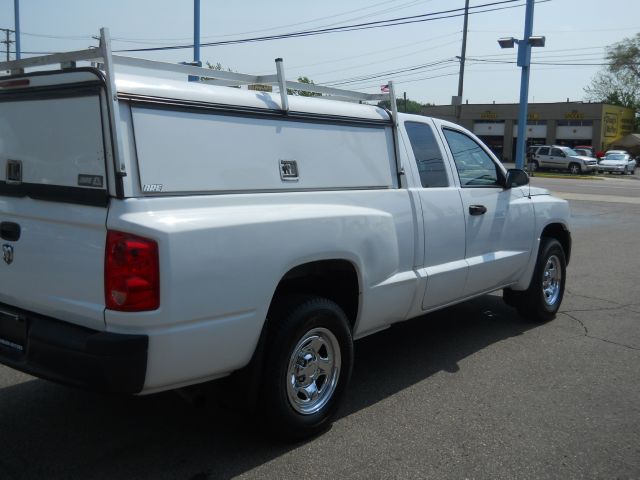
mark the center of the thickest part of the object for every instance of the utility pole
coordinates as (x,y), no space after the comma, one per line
(463,56)
(7,41)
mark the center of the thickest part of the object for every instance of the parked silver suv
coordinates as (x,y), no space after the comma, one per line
(562,158)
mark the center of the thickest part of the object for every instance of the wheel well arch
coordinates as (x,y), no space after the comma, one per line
(560,233)
(335,279)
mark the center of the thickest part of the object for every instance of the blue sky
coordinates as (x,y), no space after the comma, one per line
(577,32)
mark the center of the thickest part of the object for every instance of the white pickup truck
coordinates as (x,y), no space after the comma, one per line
(160,233)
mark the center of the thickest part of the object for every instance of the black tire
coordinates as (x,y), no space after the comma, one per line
(575,169)
(294,319)
(534,304)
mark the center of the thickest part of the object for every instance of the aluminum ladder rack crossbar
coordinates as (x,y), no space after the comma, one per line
(103,55)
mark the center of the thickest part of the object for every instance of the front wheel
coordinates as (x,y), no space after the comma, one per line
(308,365)
(574,169)
(541,301)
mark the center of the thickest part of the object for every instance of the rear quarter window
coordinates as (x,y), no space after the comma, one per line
(427,154)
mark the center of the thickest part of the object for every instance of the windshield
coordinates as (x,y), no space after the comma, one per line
(569,151)
(615,156)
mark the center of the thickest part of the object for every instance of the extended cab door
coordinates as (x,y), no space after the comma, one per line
(441,255)
(499,222)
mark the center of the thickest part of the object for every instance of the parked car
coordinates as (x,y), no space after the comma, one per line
(590,152)
(584,152)
(562,158)
(618,161)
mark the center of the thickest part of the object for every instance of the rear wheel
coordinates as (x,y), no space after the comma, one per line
(575,169)
(307,366)
(541,301)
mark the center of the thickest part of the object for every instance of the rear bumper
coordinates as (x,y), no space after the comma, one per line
(72,355)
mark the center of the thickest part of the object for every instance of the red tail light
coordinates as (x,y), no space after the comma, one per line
(131,273)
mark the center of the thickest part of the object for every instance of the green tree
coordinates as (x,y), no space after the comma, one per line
(217,67)
(618,83)
(302,93)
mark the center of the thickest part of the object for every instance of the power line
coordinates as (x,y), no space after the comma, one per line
(376,52)
(389,73)
(427,17)
(383,60)
(411,3)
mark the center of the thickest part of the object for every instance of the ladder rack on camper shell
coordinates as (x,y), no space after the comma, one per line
(103,55)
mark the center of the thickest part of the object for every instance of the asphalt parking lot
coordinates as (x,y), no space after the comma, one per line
(468,392)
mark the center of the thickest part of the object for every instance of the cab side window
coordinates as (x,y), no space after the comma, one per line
(475,167)
(556,152)
(543,151)
(428,155)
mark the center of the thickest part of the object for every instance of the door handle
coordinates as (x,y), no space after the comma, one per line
(477,209)
(10,231)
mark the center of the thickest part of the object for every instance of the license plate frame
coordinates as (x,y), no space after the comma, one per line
(13,332)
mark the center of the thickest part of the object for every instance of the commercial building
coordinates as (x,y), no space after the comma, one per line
(564,123)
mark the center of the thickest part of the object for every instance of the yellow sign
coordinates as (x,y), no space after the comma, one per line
(533,116)
(574,115)
(488,115)
(616,122)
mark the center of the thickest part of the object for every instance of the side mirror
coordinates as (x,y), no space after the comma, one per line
(516,178)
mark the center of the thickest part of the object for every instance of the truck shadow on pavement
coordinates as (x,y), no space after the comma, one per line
(49,431)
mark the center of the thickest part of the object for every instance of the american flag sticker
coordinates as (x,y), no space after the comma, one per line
(384,88)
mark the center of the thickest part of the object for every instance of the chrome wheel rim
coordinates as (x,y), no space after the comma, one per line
(551,280)
(313,372)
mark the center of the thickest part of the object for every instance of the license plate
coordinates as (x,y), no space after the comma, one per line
(13,331)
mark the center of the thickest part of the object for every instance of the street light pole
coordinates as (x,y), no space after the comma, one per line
(196,32)
(196,40)
(524,61)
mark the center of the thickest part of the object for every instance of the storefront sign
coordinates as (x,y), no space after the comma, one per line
(488,115)
(260,88)
(616,122)
(574,115)
(610,125)
(533,116)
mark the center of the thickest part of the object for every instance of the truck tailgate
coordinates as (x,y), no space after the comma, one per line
(53,201)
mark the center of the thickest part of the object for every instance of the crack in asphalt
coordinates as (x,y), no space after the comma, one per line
(598,309)
(593,298)
(586,334)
